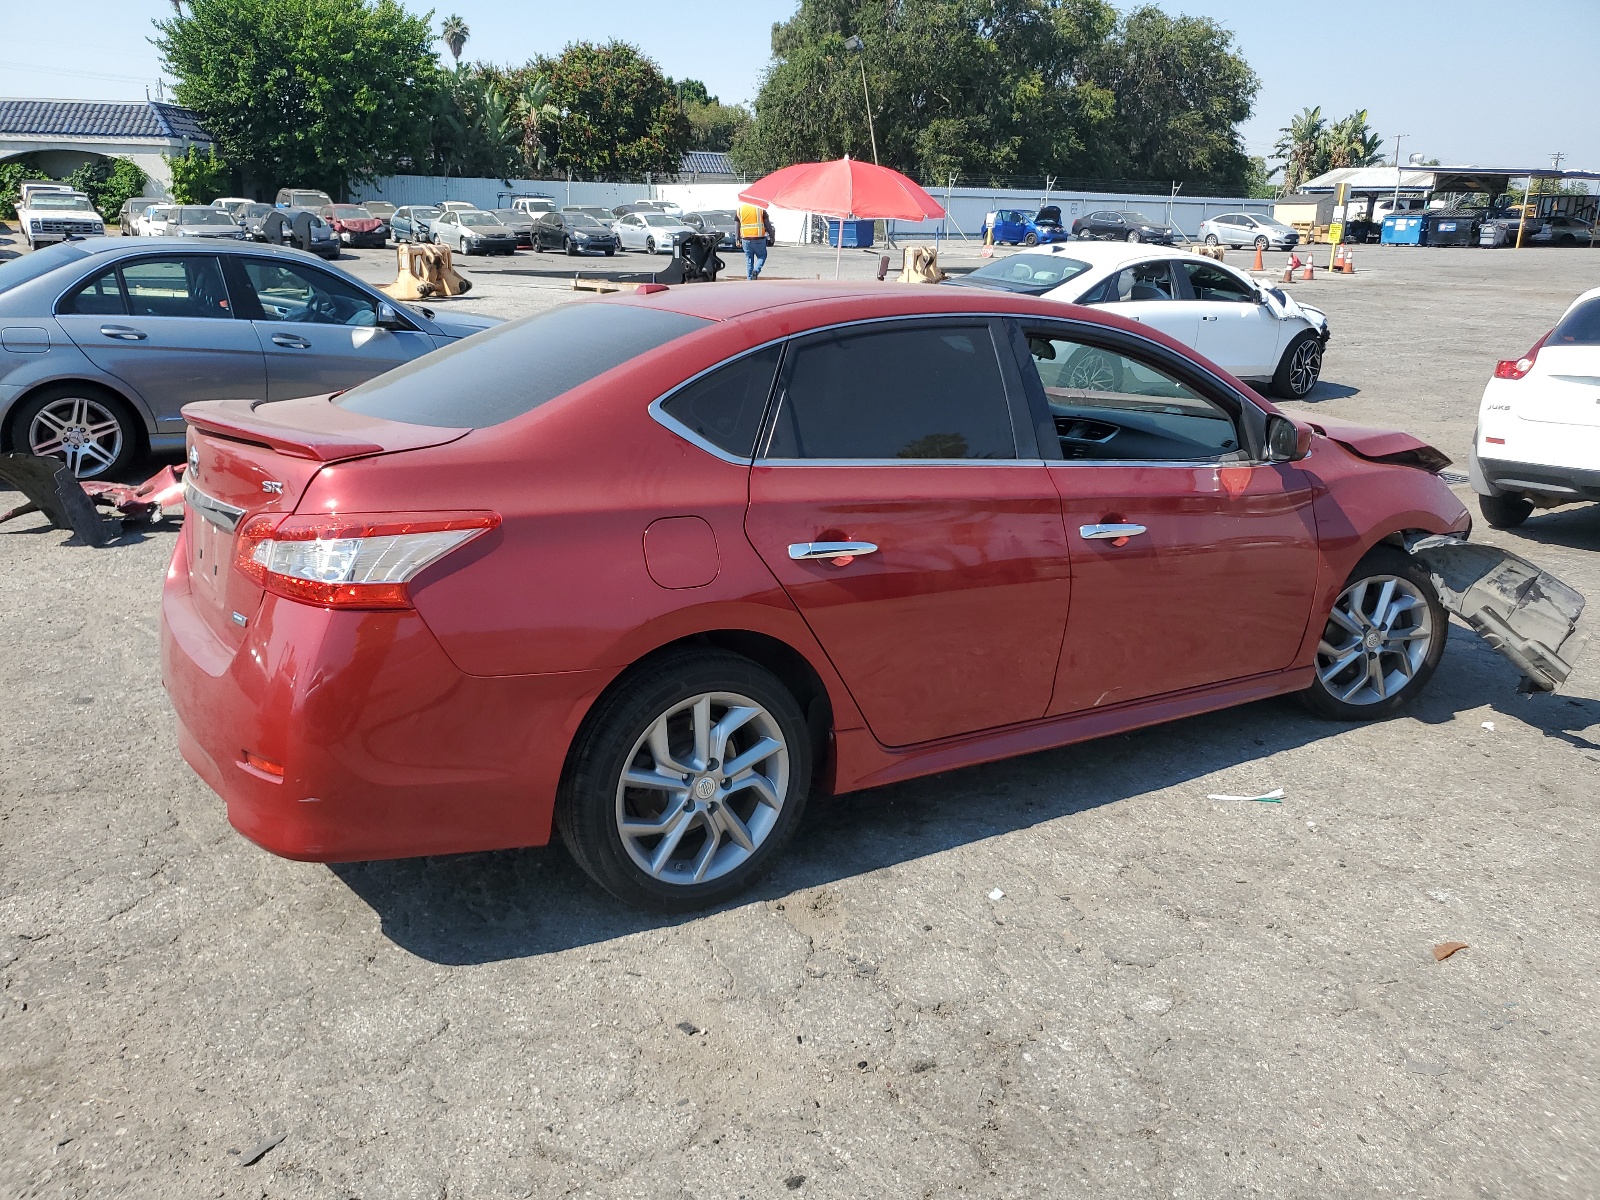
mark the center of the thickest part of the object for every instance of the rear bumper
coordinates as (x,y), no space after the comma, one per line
(388,750)
(1522,478)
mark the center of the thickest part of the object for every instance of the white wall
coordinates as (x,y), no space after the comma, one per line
(401,190)
(147,155)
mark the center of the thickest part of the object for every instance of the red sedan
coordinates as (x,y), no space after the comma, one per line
(653,568)
(355,226)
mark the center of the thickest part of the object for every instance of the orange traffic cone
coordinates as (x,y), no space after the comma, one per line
(1307,274)
(1260,266)
(1349,262)
(1338,258)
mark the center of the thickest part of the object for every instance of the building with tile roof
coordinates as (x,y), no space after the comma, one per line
(57,136)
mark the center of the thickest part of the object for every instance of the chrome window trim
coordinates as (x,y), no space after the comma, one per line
(1183,464)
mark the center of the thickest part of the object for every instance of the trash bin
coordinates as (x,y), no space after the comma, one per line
(1402,230)
(858,235)
(1452,229)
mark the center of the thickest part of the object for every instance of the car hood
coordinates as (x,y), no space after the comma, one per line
(1380,445)
(460,325)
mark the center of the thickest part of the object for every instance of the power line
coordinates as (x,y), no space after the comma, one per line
(83,74)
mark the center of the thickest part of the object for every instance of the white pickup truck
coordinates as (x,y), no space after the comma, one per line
(54,212)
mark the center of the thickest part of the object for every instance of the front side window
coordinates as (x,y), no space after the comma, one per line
(725,406)
(187,285)
(901,391)
(1111,406)
(292,292)
(1211,282)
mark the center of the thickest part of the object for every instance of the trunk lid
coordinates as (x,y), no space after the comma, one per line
(1565,387)
(248,458)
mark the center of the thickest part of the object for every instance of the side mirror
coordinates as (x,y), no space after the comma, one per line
(1287,441)
(389,317)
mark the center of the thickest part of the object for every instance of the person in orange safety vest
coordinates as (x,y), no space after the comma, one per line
(755,231)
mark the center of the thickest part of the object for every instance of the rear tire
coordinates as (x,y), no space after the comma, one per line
(1300,367)
(93,431)
(1376,654)
(1211,239)
(1505,511)
(649,726)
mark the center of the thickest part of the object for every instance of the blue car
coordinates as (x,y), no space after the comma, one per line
(414,223)
(1014,227)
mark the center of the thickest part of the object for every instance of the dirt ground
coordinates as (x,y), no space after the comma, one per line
(1066,975)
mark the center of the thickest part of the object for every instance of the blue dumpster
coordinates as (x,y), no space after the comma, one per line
(857,234)
(1402,229)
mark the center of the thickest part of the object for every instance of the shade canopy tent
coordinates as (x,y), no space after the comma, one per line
(845,189)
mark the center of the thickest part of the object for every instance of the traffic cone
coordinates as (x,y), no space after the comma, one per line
(1338,258)
(1307,273)
(1349,262)
(1260,266)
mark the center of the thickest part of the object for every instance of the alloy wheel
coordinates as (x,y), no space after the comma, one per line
(79,429)
(1378,637)
(1305,366)
(703,788)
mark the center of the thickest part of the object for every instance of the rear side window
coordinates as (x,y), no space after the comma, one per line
(182,286)
(901,391)
(100,297)
(725,406)
(1580,327)
(514,368)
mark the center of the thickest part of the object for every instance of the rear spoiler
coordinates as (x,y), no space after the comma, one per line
(312,427)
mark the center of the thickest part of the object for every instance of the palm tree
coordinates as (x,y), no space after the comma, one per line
(1300,148)
(455,33)
(532,107)
(1350,143)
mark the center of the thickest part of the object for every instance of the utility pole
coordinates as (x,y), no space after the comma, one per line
(1397,138)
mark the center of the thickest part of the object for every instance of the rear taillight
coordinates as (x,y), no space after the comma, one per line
(352,561)
(1516,368)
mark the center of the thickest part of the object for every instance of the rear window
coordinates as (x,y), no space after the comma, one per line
(1028,274)
(512,369)
(30,266)
(1580,327)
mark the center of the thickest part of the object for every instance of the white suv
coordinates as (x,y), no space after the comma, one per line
(1538,438)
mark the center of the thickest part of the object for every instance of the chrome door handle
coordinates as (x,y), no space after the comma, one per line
(803,551)
(123,333)
(1109,532)
(291,340)
(1204,317)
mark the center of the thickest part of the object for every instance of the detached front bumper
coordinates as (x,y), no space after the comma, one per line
(387,749)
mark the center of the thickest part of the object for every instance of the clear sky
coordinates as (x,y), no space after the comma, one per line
(1471,81)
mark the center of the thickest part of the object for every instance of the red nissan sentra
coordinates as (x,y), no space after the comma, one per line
(652,568)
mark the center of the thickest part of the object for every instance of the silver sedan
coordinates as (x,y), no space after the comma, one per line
(103,342)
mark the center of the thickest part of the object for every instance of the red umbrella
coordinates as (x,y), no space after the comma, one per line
(845,189)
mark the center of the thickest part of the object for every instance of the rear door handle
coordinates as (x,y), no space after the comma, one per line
(123,333)
(294,341)
(1205,317)
(1109,532)
(805,551)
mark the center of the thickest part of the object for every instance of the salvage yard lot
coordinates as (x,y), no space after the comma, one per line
(1066,975)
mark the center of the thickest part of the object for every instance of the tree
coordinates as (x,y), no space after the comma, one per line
(1300,147)
(11,176)
(713,125)
(108,182)
(311,93)
(455,33)
(1180,92)
(198,178)
(619,115)
(1350,143)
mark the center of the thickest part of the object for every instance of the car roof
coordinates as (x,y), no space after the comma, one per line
(130,247)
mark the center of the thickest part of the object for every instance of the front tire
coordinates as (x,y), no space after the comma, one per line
(1382,642)
(1263,244)
(648,805)
(649,245)
(1300,367)
(1505,511)
(1031,239)
(572,249)
(1133,236)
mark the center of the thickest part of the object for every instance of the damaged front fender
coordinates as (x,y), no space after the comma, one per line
(1525,613)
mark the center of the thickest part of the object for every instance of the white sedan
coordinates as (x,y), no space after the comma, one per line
(651,232)
(1253,331)
(1538,438)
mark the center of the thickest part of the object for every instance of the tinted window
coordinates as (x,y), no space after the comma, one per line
(908,391)
(1110,406)
(1211,282)
(30,266)
(1030,274)
(514,368)
(1142,281)
(292,292)
(98,297)
(1580,327)
(188,285)
(725,406)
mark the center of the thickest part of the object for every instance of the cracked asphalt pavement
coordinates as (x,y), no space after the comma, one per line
(1066,975)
